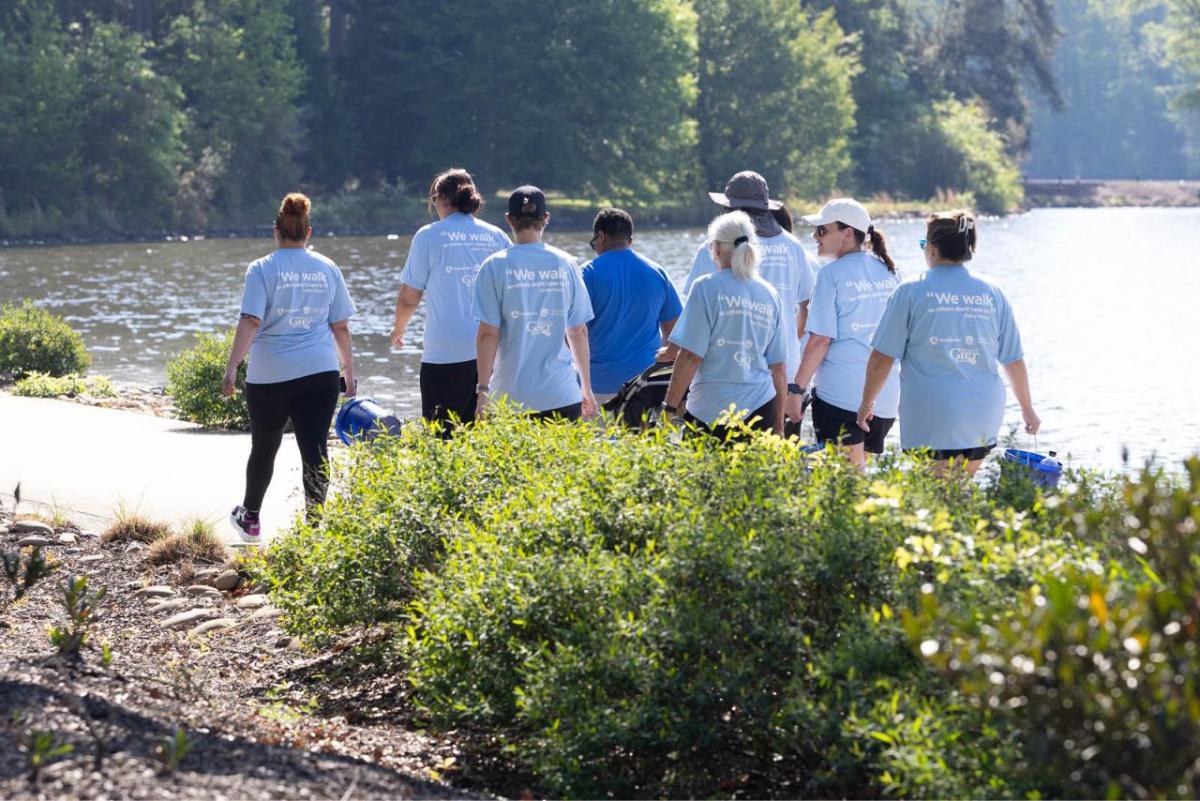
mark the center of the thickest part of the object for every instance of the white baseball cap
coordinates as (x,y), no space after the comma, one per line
(845,210)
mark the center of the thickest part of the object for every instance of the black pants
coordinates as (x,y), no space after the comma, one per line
(765,422)
(572,412)
(309,402)
(448,388)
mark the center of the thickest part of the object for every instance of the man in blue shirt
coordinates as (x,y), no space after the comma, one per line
(634,301)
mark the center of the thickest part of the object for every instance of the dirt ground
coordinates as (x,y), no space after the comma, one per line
(240,711)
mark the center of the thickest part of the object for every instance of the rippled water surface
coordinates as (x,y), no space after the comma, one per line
(1107,301)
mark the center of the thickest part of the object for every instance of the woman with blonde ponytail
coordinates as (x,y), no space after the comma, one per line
(732,339)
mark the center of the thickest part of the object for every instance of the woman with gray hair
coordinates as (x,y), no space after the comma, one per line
(732,339)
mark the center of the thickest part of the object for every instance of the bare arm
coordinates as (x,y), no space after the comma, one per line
(577,341)
(878,368)
(342,342)
(802,319)
(243,338)
(814,353)
(779,379)
(686,365)
(668,351)
(487,340)
(406,304)
(1018,378)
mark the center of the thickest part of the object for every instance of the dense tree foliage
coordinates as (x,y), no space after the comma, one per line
(142,115)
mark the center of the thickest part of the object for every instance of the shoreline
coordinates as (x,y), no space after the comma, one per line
(575,214)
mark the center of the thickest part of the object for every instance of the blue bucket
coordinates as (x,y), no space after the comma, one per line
(364,419)
(1042,472)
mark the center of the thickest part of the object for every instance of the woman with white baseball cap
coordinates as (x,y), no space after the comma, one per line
(850,296)
(785,264)
(951,331)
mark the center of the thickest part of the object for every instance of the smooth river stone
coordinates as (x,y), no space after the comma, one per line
(32,527)
(251,601)
(156,591)
(169,605)
(188,618)
(212,625)
(34,541)
(203,590)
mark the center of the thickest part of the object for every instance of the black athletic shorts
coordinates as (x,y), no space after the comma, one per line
(761,419)
(835,424)
(970,454)
(447,388)
(572,412)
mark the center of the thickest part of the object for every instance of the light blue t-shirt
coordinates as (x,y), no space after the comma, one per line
(630,296)
(533,293)
(443,261)
(786,266)
(850,297)
(297,293)
(738,327)
(951,330)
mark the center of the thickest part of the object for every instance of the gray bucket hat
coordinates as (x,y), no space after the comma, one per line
(746,190)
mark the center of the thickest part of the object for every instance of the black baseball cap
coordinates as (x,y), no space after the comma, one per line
(524,195)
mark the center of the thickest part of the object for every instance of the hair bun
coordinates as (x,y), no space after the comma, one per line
(296,204)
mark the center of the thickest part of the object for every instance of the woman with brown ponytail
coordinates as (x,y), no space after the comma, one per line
(295,325)
(951,331)
(852,290)
(443,262)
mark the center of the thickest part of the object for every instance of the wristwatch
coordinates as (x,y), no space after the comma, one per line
(482,388)
(795,389)
(669,409)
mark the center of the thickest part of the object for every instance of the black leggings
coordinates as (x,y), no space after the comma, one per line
(761,419)
(309,402)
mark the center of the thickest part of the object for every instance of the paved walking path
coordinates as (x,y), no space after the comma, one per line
(90,461)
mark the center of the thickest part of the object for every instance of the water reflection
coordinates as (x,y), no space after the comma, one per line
(1103,296)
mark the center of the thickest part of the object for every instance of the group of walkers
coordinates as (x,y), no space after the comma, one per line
(762,336)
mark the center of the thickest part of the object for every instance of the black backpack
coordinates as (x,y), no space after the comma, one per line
(639,400)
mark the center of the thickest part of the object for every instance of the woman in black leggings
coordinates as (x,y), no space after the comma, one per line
(295,326)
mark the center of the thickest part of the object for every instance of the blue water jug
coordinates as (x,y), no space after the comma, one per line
(1044,471)
(364,419)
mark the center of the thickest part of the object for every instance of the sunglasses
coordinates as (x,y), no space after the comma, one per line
(822,230)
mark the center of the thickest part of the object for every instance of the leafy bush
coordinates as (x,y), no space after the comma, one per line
(642,616)
(194,382)
(1096,665)
(43,385)
(34,340)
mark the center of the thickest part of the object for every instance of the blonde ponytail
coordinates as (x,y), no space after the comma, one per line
(736,229)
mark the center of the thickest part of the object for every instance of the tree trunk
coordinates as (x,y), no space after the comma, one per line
(142,17)
(337,27)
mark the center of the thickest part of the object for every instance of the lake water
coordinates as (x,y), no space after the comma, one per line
(1105,299)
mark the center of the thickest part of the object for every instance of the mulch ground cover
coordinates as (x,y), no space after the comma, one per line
(241,711)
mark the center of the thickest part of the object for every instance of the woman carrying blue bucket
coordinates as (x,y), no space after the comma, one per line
(295,327)
(951,331)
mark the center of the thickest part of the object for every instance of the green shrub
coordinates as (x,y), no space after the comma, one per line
(643,616)
(34,340)
(1096,666)
(43,385)
(194,382)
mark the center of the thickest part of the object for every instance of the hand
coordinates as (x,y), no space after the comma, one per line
(229,382)
(397,337)
(778,428)
(590,407)
(351,386)
(481,404)
(1032,422)
(866,413)
(664,354)
(793,407)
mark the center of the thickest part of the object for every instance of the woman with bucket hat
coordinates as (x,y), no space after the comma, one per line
(785,264)
(850,296)
(295,326)
(951,331)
